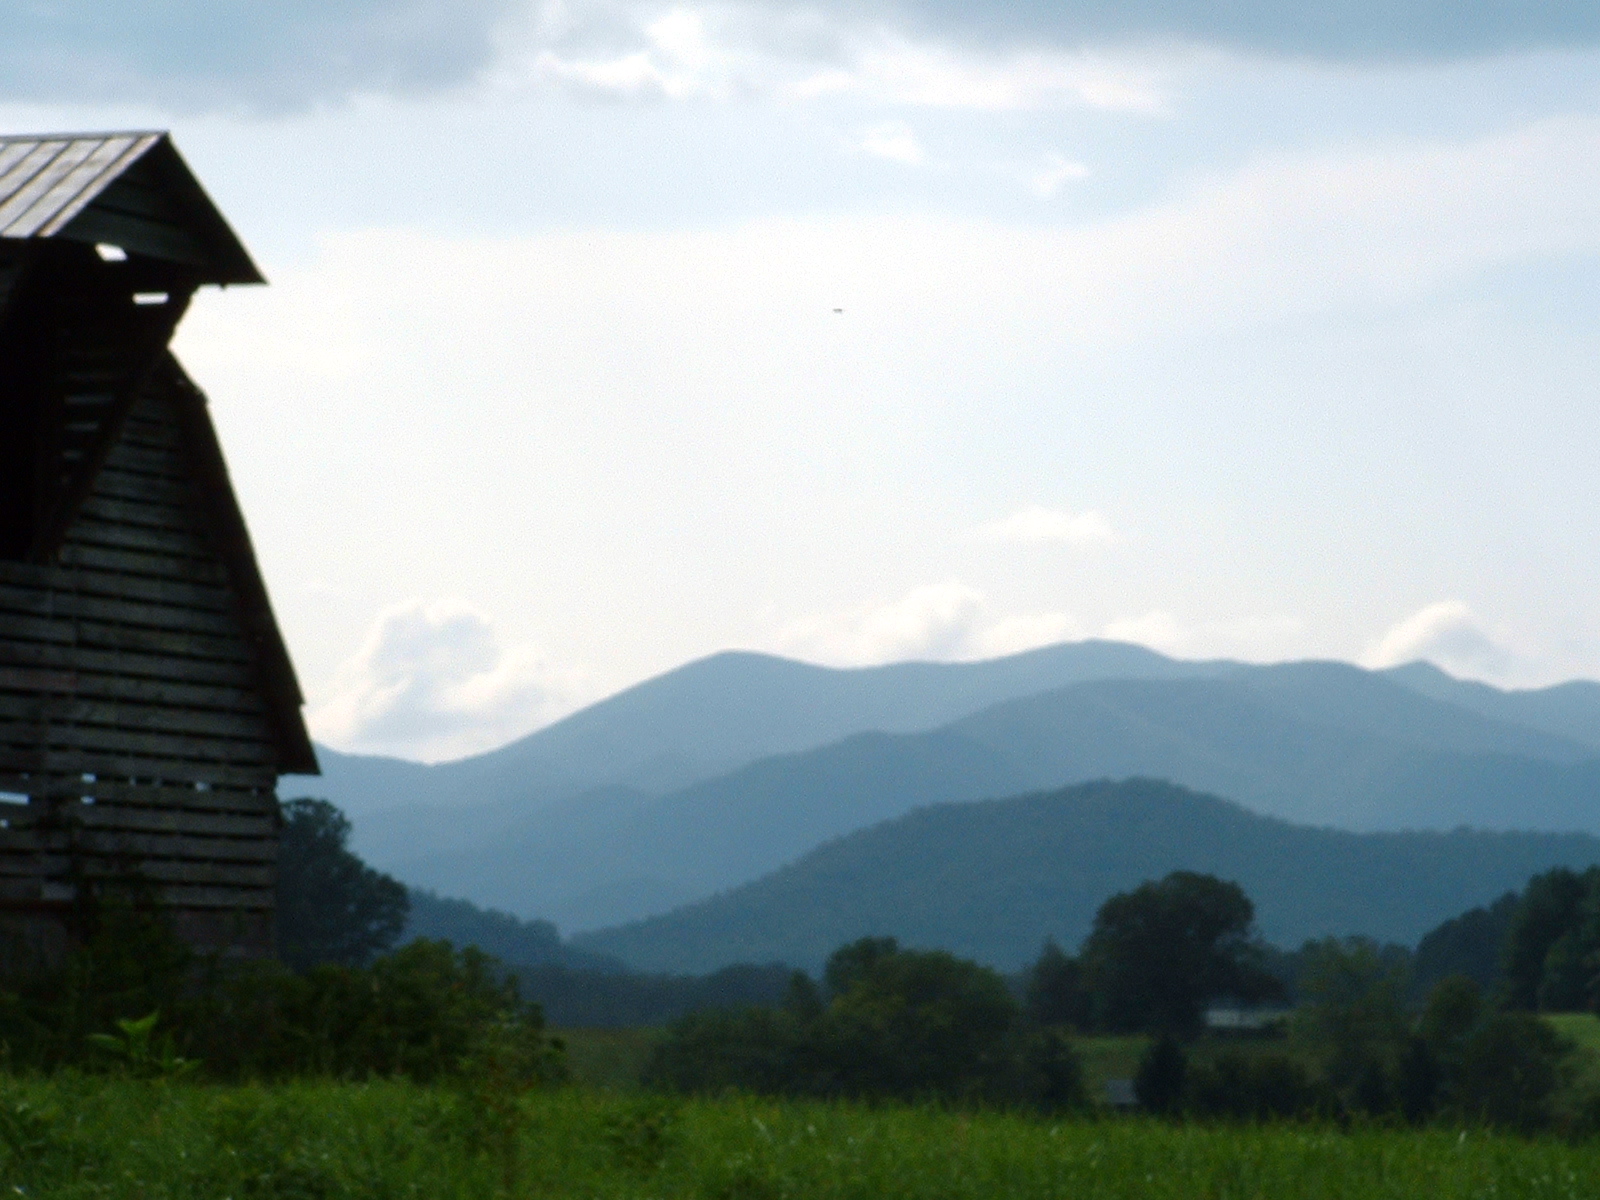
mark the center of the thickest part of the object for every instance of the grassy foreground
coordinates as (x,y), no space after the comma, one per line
(75,1137)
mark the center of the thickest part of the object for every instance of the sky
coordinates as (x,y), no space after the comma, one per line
(603,335)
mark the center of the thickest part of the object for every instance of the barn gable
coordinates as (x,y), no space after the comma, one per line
(147,701)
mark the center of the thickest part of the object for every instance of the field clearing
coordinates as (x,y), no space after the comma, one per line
(79,1137)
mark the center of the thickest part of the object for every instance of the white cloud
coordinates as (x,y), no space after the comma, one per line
(890,69)
(1038,524)
(1447,634)
(674,57)
(895,141)
(729,51)
(432,682)
(939,622)
(1253,638)
(1012,635)
(1044,179)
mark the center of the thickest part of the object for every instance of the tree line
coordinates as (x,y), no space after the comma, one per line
(1356,1033)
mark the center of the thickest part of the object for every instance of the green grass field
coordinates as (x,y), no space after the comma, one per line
(74,1137)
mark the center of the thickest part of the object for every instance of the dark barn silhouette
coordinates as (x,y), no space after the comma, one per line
(147,702)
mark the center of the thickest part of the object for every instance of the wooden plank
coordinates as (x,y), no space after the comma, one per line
(78,607)
(176,846)
(146,718)
(137,562)
(115,796)
(35,865)
(260,899)
(35,575)
(173,592)
(89,532)
(60,866)
(99,739)
(22,893)
(36,760)
(165,462)
(146,513)
(37,680)
(126,485)
(149,435)
(108,664)
(38,629)
(172,642)
(28,851)
(93,685)
(182,871)
(174,820)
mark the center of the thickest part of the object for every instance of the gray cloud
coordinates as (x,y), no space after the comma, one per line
(1348,30)
(262,54)
(286,54)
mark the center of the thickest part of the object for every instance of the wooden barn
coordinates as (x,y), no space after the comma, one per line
(147,701)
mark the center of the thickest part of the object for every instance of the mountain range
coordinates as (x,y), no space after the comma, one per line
(991,880)
(716,774)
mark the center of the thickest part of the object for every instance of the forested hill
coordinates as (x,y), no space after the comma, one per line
(1318,743)
(992,880)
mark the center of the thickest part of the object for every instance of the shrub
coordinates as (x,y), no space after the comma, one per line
(1158,1084)
(1252,1087)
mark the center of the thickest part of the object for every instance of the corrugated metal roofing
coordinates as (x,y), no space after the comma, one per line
(68,185)
(46,181)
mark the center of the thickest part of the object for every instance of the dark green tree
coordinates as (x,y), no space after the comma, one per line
(1353,1015)
(332,907)
(855,960)
(1055,992)
(1158,1084)
(894,1023)
(1551,908)
(1472,945)
(1509,1070)
(1159,953)
(912,1022)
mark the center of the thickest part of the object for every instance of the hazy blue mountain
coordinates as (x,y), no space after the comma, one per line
(1359,754)
(698,721)
(515,942)
(1321,743)
(993,879)
(664,851)
(1570,710)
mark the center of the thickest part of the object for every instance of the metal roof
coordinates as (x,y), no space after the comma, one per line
(47,181)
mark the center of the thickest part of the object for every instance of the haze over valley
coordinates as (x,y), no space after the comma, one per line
(737,777)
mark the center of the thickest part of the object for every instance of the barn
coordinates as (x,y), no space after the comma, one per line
(147,701)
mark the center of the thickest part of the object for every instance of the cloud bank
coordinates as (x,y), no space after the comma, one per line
(432,682)
(233,54)
(230,54)
(1337,30)
(1447,634)
(945,622)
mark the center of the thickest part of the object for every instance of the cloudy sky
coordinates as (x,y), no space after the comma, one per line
(606,334)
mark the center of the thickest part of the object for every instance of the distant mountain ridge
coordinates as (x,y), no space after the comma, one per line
(535,829)
(1317,743)
(992,879)
(695,722)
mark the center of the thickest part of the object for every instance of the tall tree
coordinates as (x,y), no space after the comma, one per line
(1159,953)
(1547,920)
(332,907)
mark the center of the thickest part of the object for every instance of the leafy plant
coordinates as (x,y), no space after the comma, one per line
(136,1049)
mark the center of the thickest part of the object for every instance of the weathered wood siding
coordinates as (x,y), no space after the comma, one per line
(133,732)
